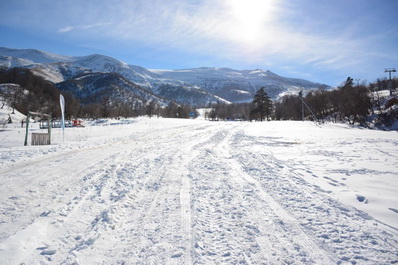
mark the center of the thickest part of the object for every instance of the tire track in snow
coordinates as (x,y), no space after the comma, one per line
(223,225)
(62,200)
(348,235)
(185,201)
(158,208)
(135,211)
(186,155)
(188,195)
(56,190)
(299,237)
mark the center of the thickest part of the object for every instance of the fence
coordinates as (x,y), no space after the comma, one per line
(40,138)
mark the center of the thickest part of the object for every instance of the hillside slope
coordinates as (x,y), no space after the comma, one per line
(188,86)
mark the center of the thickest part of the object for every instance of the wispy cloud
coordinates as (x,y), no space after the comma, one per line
(66,29)
(255,32)
(298,36)
(81,27)
(251,32)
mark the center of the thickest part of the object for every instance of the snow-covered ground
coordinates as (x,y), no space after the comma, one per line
(168,191)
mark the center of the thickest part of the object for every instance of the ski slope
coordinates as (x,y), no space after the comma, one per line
(168,191)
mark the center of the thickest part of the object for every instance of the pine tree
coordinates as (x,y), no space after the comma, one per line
(262,106)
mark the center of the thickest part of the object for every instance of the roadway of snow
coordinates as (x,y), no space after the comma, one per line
(165,191)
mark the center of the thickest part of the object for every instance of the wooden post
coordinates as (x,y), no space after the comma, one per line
(49,128)
(27,129)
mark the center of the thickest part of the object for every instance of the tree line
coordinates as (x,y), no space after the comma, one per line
(261,109)
(25,91)
(349,102)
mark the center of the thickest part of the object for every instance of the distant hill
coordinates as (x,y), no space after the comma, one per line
(196,86)
(92,86)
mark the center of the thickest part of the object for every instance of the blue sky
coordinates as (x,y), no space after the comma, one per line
(319,40)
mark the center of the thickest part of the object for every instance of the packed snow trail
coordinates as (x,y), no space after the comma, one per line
(179,193)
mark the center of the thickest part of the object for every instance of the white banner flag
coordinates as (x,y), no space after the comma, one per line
(62,104)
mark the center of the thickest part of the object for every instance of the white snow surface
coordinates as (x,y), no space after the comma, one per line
(169,191)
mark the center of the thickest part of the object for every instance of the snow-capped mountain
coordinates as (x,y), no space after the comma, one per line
(236,85)
(34,56)
(196,86)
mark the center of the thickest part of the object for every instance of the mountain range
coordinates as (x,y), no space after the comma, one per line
(87,77)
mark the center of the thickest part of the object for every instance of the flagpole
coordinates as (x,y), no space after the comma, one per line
(62,105)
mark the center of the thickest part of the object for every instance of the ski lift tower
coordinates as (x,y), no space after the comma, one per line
(389,71)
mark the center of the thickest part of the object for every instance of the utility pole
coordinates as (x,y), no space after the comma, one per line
(302,104)
(357,79)
(305,104)
(389,71)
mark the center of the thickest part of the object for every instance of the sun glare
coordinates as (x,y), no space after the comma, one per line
(250,17)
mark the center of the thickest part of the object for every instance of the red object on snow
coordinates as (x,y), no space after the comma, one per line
(77,123)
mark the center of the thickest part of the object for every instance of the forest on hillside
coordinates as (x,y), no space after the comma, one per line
(25,91)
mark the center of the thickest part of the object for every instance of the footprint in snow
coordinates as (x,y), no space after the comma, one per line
(46,251)
(394,210)
(45,213)
(363,199)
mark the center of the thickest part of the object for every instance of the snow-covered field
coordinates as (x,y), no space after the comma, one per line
(165,191)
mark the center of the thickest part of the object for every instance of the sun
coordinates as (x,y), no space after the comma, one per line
(250,17)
